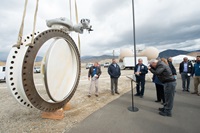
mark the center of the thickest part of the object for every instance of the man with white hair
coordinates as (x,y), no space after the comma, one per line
(185,69)
(164,74)
(140,71)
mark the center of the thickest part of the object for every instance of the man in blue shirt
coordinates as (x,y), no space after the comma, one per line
(140,71)
(196,73)
(94,73)
(185,69)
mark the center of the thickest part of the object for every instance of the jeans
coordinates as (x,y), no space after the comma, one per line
(169,89)
(185,78)
(160,92)
(114,85)
(140,83)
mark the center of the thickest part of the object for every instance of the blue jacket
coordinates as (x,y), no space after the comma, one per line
(113,71)
(91,70)
(143,70)
(196,69)
(156,80)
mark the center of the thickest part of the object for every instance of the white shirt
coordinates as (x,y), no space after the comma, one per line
(138,69)
(185,69)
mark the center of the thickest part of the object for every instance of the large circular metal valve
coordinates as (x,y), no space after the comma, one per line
(61,71)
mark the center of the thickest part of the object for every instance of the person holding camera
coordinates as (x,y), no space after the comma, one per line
(164,74)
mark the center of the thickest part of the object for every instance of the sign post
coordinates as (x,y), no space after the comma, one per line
(132,108)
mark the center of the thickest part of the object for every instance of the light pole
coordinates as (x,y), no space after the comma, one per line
(134,40)
(132,108)
(113,54)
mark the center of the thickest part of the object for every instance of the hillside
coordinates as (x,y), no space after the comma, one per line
(172,52)
(87,59)
(163,54)
(194,54)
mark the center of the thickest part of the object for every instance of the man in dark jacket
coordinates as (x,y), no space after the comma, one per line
(185,69)
(114,72)
(172,66)
(164,74)
(94,72)
(196,74)
(140,71)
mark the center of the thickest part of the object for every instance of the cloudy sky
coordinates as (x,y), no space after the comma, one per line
(165,24)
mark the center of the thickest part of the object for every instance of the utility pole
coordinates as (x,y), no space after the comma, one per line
(113,54)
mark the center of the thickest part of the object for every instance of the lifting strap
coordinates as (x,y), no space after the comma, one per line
(34,23)
(79,42)
(70,10)
(20,34)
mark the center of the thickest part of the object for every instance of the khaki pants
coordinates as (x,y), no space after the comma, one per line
(196,83)
(94,82)
(114,85)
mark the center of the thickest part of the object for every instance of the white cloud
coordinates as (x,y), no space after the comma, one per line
(164,24)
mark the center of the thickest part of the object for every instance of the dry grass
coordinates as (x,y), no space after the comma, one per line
(2,63)
(16,118)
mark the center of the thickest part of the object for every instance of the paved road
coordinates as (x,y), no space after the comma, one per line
(115,117)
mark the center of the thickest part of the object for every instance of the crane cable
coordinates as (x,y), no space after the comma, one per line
(20,34)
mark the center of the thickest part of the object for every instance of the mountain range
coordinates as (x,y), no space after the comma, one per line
(172,53)
(85,59)
(163,54)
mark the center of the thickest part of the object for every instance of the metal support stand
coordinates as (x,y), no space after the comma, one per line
(132,108)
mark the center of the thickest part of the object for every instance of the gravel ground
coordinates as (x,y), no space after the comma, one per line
(18,119)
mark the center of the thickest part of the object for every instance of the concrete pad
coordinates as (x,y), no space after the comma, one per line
(116,118)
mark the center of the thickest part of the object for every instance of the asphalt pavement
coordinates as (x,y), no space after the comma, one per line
(116,118)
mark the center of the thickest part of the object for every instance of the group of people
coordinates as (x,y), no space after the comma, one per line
(164,80)
(188,70)
(164,77)
(159,85)
(94,73)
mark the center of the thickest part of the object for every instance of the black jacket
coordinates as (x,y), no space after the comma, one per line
(113,71)
(92,69)
(172,68)
(143,70)
(163,72)
(189,68)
